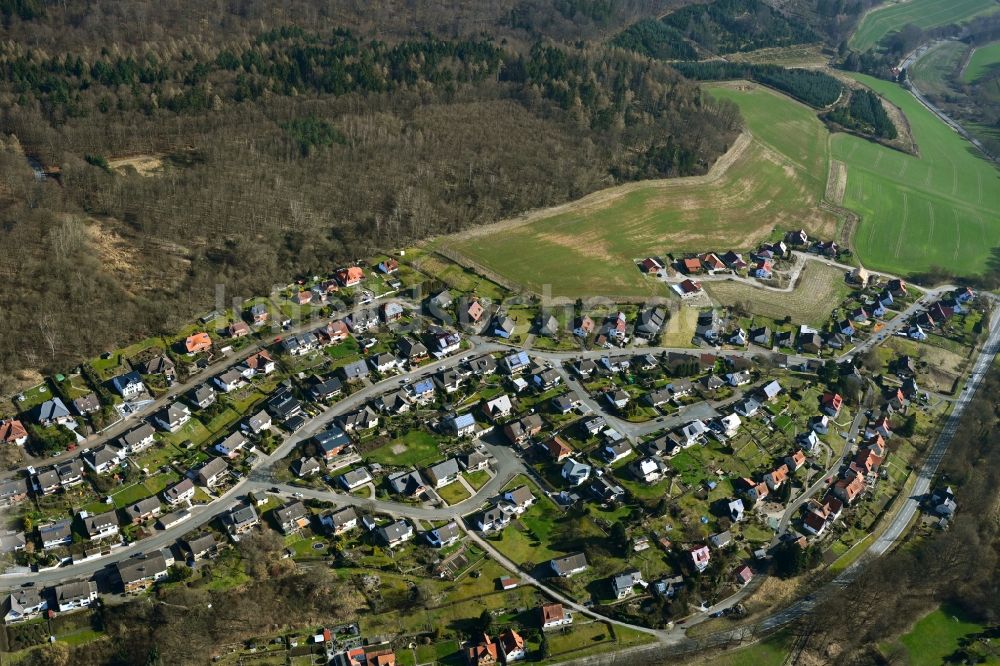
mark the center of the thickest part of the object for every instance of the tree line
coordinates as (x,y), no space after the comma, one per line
(816,89)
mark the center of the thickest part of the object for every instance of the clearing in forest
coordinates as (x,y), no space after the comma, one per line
(589,247)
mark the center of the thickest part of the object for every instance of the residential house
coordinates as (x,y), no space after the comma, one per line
(548,326)
(712,263)
(212,473)
(775,478)
(651,265)
(519,499)
(443,473)
(763,269)
(567,566)
(475,311)
(173,417)
(558,449)
(474,461)
(743,575)
(331,442)
(691,265)
(100,526)
(461,425)
(238,329)
(483,653)
(362,419)
(46,482)
(585,367)
(575,472)
(388,266)
(259,314)
(395,534)
(820,424)
(617,398)
(52,412)
(831,404)
(650,323)
(103,458)
(604,491)
(339,521)
(700,557)
(503,326)
(13,431)
(304,467)
(197,342)
(139,573)
(687,288)
(11,542)
(355,478)
(553,615)
(738,378)
(23,604)
(407,483)
(292,517)
(13,491)
(88,404)
(76,595)
(70,473)
(623,583)
(229,381)
(362,320)
(325,389)
(54,535)
(564,404)
(497,408)
(422,391)
(201,396)
(444,536)
(770,391)
(850,489)
(613,452)
(137,439)
(648,470)
(583,326)
(512,646)
(483,365)
(735,508)
(392,311)
(355,371)
(200,546)
(350,276)
(179,492)
(413,351)
(240,519)
(796,460)
(143,510)
(394,402)
(260,363)
(760,336)
(129,385)
(492,519)
(258,423)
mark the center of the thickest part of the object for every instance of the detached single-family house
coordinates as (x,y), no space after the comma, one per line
(258,423)
(350,276)
(503,326)
(407,483)
(212,473)
(23,604)
(623,583)
(650,323)
(139,573)
(497,408)
(128,385)
(474,461)
(103,458)
(88,404)
(395,534)
(700,557)
(831,403)
(56,534)
(461,425)
(137,439)
(143,510)
(201,396)
(443,473)
(567,566)
(76,595)
(13,431)
(52,412)
(575,472)
(444,536)
(583,326)
(101,526)
(197,342)
(553,615)
(355,478)
(340,521)
(304,467)
(179,492)
(229,381)
(648,470)
(240,519)
(292,517)
(173,417)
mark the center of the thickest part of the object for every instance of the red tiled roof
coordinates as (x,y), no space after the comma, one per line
(198,342)
(12,430)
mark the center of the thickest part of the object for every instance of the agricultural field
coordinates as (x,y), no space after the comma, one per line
(819,290)
(589,247)
(933,72)
(922,13)
(985,59)
(938,209)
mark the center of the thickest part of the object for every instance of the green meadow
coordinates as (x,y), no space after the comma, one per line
(941,208)
(922,13)
(984,60)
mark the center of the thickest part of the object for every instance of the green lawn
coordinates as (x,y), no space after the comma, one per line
(933,72)
(771,651)
(776,182)
(936,636)
(922,13)
(131,495)
(417,447)
(477,479)
(938,209)
(454,493)
(984,60)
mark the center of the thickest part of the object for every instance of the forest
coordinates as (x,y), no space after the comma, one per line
(816,89)
(864,113)
(288,150)
(730,26)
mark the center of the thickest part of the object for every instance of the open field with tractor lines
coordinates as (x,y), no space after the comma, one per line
(922,13)
(939,209)
(589,248)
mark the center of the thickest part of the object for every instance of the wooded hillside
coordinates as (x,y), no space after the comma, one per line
(290,148)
